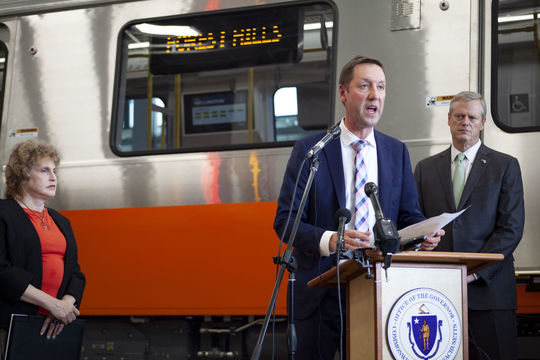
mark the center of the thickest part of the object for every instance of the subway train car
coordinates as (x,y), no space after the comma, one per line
(175,120)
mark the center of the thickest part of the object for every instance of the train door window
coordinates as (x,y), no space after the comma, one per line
(135,124)
(286,114)
(516,65)
(212,81)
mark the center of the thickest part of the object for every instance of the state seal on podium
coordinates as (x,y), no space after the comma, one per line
(423,324)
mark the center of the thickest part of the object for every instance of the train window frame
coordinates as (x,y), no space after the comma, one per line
(496,101)
(326,68)
(3,48)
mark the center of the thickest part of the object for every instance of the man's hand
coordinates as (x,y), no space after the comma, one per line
(353,240)
(431,242)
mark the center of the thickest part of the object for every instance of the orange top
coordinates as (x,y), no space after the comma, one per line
(53,251)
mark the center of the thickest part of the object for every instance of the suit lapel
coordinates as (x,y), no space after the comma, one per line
(26,223)
(333,158)
(445,177)
(480,162)
(59,223)
(384,171)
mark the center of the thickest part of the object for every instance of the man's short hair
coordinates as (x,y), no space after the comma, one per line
(469,96)
(347,71)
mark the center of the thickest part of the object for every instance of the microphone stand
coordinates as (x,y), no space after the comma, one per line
(287,261)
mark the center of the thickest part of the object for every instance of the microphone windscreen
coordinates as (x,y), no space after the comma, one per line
(371,188)
(345,213)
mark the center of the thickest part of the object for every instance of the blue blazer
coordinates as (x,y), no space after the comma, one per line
(397,195)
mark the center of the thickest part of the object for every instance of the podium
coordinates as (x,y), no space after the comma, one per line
(415,309)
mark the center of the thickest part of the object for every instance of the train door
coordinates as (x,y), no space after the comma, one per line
(512,87)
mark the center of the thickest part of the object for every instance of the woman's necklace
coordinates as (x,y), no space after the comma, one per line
(44,224)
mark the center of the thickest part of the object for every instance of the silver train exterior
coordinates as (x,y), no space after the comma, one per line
(61,76)
(67,94)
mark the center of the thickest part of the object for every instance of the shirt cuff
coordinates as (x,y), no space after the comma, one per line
(324,243)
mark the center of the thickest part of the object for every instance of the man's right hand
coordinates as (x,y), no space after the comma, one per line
(354,239)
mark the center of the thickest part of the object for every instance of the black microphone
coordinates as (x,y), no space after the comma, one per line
(331,134)
(343,216)
(372,191)
(386,235)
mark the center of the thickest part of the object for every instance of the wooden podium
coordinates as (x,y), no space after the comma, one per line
(417,309)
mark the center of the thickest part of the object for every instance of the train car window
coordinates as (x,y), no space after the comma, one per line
(516,65)
(211,81)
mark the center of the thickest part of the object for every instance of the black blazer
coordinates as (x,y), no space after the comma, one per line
(493,223)
(21,261)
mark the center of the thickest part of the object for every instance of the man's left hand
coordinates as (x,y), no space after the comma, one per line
(431,242)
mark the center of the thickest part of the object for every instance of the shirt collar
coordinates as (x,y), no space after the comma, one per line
(470,153)
(347,137)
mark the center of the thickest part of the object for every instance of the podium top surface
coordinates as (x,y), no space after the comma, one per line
(349,269)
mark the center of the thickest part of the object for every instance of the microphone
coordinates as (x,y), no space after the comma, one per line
(331,134)
(386,235)
(343,216)
(372,191)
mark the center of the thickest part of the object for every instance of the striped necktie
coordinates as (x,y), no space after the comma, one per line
(459,177)
(361,219)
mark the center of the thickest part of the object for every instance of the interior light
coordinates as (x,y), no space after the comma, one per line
(138,45)
(317,26)
(173,30)
(505,19)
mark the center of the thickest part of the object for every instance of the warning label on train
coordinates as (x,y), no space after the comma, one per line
(32,132)
(438,100)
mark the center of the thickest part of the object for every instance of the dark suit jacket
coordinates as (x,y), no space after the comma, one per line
(21,262)
(492,224)
(397,193)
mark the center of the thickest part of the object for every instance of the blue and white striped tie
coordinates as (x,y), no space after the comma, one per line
(361,219)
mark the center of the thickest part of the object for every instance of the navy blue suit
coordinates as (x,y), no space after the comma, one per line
(397,194)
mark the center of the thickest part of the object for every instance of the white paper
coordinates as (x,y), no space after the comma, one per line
(428,227)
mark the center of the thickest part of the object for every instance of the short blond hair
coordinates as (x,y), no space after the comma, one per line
(23,157)
(468,96)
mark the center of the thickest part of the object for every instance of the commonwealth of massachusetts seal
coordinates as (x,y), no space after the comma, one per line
(424,324)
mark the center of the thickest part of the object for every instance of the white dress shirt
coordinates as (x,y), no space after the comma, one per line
(348,155)
(470,154)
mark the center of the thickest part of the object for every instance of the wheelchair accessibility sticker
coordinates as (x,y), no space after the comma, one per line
(519,103)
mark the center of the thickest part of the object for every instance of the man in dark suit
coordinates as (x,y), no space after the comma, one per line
(362,87)
(489,184)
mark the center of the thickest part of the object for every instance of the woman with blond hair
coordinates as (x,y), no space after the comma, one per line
(39,269)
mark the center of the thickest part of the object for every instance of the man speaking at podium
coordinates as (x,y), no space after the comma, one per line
(361,155)
(470,175)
